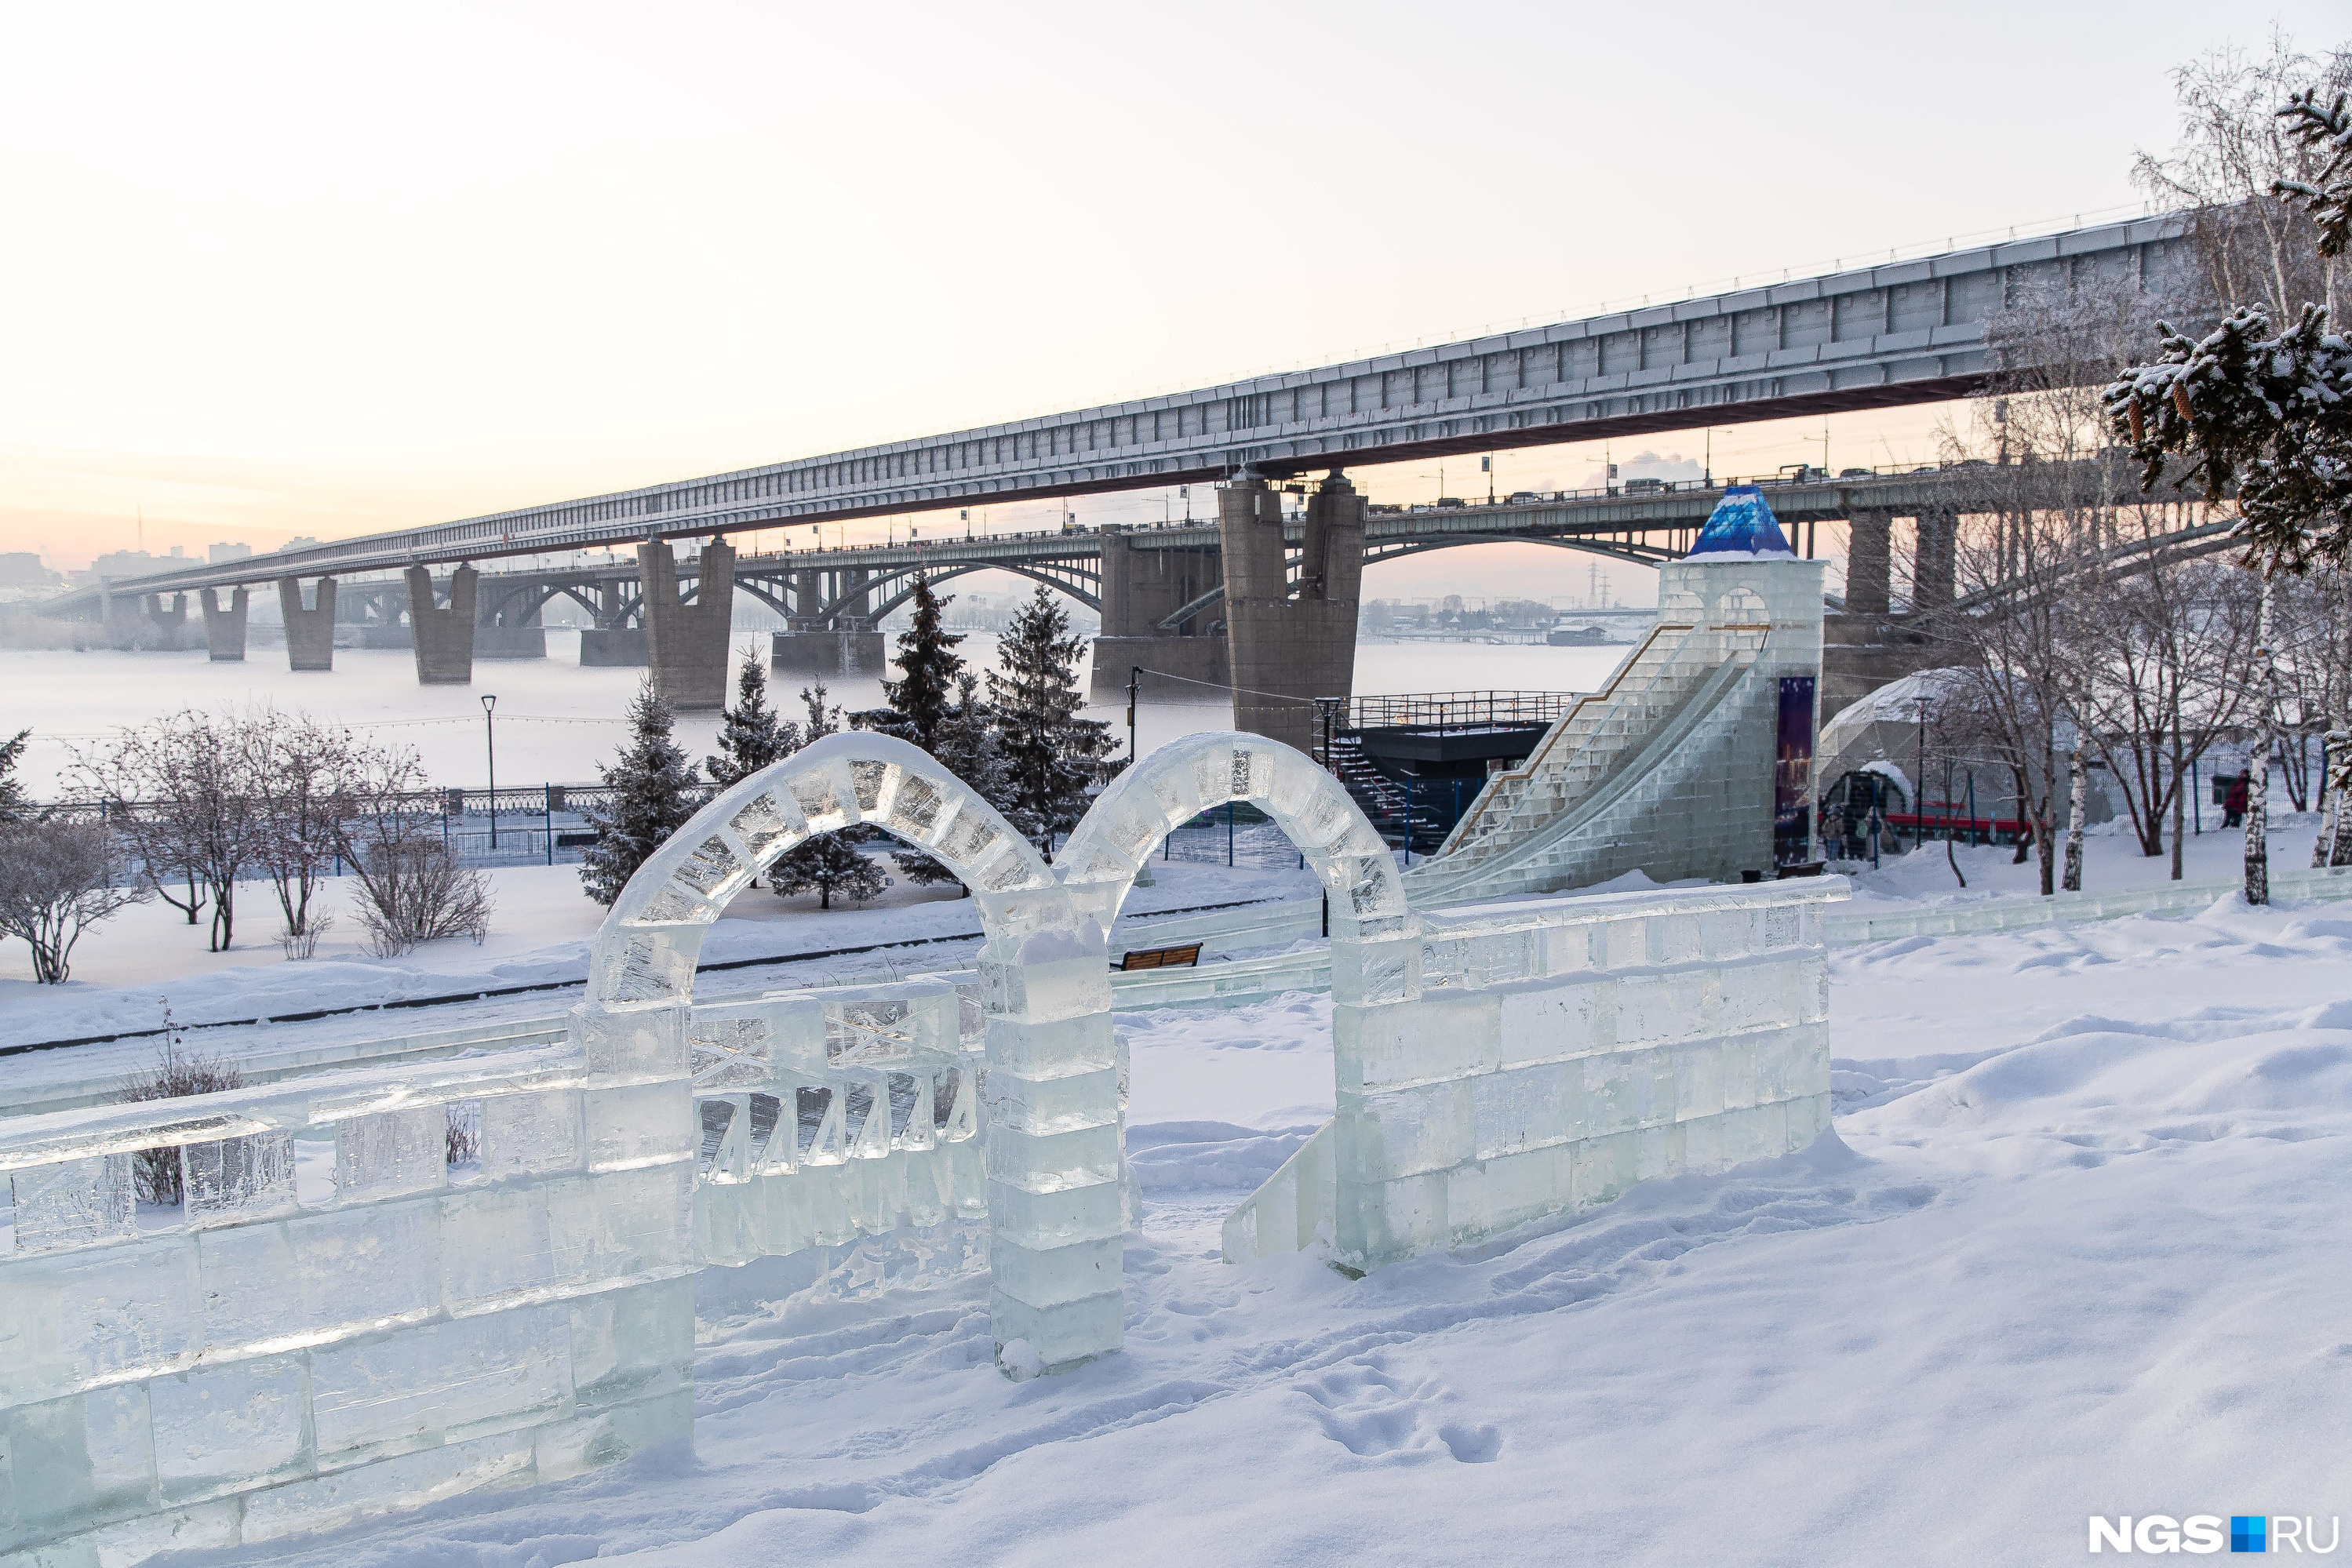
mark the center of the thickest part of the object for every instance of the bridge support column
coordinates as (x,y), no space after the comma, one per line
(1288,650)
(225,627)
(1936,566)
(812,647)
(612,642)
(310,634)
(508,630)
(1868,563)
(444,638)
(171,622)
(1142,588)
(686,644)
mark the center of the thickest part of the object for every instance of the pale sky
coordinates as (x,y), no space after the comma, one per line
(273,270)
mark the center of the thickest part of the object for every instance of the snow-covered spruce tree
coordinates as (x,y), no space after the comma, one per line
(920,699)
(965,743)
(928,667)
(752,735)
(831,866)
(830,863)
(653,795)
(1050,753)
(2269,410)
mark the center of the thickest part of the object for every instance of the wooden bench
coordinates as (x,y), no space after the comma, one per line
(1184,957)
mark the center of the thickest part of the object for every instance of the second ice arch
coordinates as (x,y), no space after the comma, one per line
(1201,772)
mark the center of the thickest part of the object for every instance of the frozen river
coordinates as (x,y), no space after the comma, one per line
(557,721)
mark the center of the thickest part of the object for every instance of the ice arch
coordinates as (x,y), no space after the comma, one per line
(646,947)
(1201,772)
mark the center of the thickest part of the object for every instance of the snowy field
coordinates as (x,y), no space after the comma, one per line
(2077,1246)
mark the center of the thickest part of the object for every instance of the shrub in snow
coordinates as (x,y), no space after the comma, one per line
(156,1172)
(58,879)
(413,891)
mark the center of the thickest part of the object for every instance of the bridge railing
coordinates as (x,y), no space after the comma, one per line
(1447,709)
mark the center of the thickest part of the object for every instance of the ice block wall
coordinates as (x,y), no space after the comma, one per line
(1516,1060)
(334,1319)
(827,1116)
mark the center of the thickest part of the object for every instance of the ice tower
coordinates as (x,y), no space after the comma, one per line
(1695,758)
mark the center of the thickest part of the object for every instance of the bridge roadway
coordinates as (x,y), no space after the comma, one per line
(866,582)
(1902,333)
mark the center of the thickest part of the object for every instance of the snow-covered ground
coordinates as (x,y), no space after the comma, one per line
(127,970)
(2077,1246)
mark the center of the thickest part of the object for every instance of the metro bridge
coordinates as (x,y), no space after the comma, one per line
(1902,333)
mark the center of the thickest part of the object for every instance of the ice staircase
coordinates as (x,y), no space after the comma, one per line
(1668,768)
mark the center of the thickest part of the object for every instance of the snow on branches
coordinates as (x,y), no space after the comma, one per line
(2326,132)
(2270,412)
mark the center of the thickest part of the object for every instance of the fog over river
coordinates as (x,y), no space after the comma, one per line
(557,721)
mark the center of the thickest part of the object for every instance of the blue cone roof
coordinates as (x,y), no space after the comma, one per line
(1742,524)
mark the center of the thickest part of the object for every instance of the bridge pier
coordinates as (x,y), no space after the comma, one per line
(1936,565)
(1142,588)
(847,646)
(172,623)
(612,642)
(1869,562)
(686,644)
(509,630)
(310,634)
(224,626)
(1285,650)
(442,636)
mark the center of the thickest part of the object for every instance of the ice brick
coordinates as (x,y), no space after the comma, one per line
(1059,1337)
(638,1043)
(1661,1006)
(1060,1104)
(238,1178)
(1526,1108)
(74,1203)
(768,826)
(525,1135)
(1411,1131)
(631,1344)
(391,1153)
(1045,1164)
(1052,1275)
(1373,973)
(713,869)
(228,1428)
(81,1461)
(437,1383)
(638,1123)
(732,1047)
(119,1311)
(493,1243)
(634,966)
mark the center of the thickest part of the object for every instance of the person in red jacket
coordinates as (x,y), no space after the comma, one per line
(2234,803)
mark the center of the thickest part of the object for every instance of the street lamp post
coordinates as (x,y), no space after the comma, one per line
(490,740)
